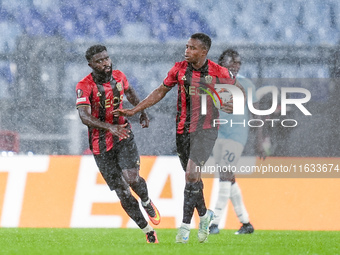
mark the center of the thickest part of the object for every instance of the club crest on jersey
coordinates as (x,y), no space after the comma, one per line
(208,79)
(79,93)
(119,86)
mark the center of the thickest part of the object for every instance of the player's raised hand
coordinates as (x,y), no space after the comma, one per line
(123,112)
(144,120)
(120,130)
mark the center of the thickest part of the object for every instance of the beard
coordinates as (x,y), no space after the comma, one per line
(102,76)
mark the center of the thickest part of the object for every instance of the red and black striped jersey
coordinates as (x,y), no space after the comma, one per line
(103,99)
(191,84)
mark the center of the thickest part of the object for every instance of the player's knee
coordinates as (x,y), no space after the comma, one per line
(227,176)
(191,177)
(132,181)
(131,176)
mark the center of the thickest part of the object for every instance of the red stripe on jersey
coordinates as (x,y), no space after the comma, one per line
(195,101)
(190,81)
(102,103)
(209,117)
(181,108)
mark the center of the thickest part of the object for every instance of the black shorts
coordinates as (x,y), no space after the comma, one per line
(124,155)
(196,146)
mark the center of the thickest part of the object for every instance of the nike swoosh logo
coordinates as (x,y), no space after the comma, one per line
(157,217)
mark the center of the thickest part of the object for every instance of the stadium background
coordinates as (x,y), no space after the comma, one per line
(42,47)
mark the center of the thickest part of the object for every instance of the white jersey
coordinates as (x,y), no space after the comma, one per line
(238,131)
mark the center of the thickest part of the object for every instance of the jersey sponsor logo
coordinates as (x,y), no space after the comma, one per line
(79,93)
(83,99)
(113,102)
(184,78)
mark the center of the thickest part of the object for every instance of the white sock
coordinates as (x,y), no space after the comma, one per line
(185,225)
(204,216)
(237,201)
(146,202)
(222,200)
(147,229)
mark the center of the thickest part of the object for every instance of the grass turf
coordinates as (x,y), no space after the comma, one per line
(132,241)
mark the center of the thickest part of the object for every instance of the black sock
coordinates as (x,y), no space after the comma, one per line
(131,207)
(191,194)
(141,189)
(200,203)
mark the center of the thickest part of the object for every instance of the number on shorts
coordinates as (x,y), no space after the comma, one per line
(228,157)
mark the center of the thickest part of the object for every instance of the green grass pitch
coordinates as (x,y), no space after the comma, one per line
(132,241)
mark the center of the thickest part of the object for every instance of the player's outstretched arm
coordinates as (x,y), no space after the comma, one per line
(132,97)
(153,98)
(118,130)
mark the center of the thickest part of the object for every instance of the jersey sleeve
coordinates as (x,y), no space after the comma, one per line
(227,76)
(172,78)
(83,92)
(124,80)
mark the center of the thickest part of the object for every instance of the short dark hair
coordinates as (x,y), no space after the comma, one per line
(205,39)
(227,53)
(93,50)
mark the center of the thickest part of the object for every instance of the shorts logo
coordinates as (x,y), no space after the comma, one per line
(79,93)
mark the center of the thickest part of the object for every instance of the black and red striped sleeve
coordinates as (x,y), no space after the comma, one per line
(172,78)
(83,92)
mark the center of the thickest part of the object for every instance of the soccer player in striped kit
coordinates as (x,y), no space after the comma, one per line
(195,132)
(111,139)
